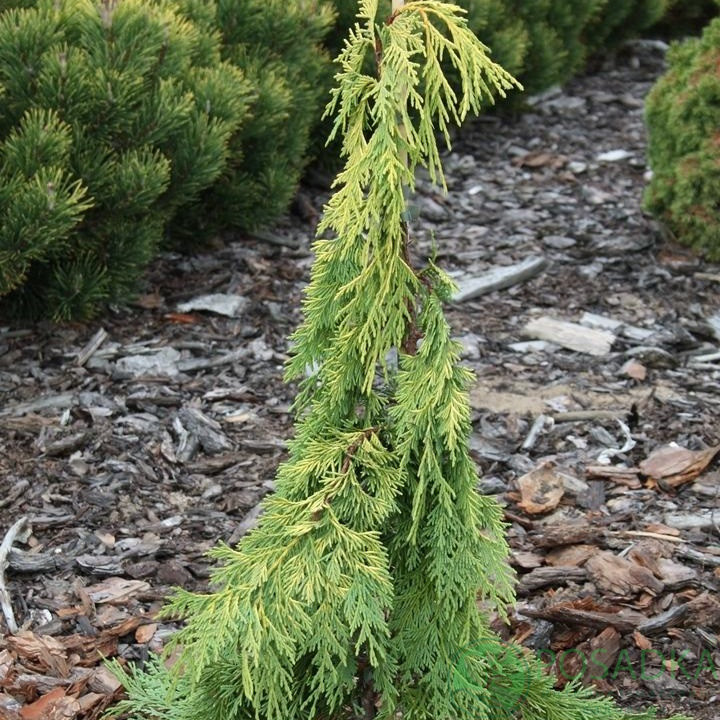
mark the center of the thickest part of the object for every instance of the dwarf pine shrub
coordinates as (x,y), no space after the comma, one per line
(619,20)
(122,118)
(113,115)
(683,117)
(356,596)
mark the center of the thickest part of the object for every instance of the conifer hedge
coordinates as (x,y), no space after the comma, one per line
(683,119)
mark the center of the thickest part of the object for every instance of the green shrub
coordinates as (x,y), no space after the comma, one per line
(620,20)
(367,587)
(113,116)
(543,42)
(556,45)
(278,46)
(683,118)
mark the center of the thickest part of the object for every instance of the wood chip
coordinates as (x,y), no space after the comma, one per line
(541,489)
(672,466)
(499,278)
(571,534)
(5,546)
(116,590)
(145,633)
(571,555)
(544,576)
(571,335)
(209,432)
(620,576)
(56,705)
(587,613)
(92,347)
(634,369)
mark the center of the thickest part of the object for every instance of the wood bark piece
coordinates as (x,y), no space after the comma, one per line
(20,561)
(557,535)
(56,705)
(620,576)
(537,427)
(543,576)
(18,488)
(499,278)
(714,322)
(207,430)
(203,363)
(670,618)
(606,645)
(571,335)
(624,621)
(7,543)
(51,402)
(92,347)
(541,489)
(689,553)
(66,445)
(585,415)
(671,465)
(615,326)
(613,472)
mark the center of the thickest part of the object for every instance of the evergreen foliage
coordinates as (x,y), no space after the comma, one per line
(683,117)
(545,42)
(557,48)
(278,46)
(121,117)
(114,114)
(620,20)
(356,595)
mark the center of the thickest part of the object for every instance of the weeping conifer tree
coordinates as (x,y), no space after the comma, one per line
(357,594)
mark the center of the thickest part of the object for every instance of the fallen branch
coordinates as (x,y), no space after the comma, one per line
(7,544)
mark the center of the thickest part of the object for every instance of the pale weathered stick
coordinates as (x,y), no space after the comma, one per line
(5,548)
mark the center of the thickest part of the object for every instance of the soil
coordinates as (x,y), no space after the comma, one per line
(132,456)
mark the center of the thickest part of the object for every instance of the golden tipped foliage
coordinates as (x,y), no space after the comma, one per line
(356,595)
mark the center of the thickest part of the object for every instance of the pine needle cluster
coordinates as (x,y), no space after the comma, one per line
(357,594)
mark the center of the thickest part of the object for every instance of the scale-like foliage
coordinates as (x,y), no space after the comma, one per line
(357,594)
